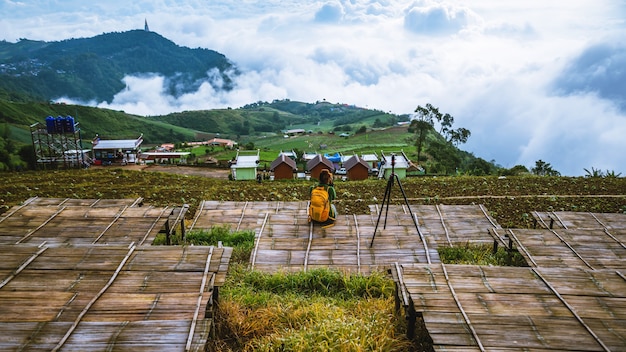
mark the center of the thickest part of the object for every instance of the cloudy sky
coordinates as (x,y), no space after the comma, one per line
(531,79)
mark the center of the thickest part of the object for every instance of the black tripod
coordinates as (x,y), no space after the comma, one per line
(387,197)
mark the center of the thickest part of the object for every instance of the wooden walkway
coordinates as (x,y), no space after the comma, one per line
(60,222)
(286,241)
(589,249)
(569,239)
(571,298)
(579,220)
(476,308)
(99,289)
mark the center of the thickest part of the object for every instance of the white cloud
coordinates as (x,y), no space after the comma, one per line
(515,73)
(430,17)
(330,12)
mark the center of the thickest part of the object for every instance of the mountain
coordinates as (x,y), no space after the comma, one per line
(33,73)
(87,69)
(266,117)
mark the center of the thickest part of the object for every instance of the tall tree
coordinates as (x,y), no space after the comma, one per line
(422,123)
(446,124)
(460,135)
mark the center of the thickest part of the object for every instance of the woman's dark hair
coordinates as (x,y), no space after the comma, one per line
(325,176)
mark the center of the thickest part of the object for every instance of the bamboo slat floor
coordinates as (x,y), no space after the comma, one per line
(97,298)
(516,309)
(286,241)
(587,240)
(579,220)
(572,297)
(61,222)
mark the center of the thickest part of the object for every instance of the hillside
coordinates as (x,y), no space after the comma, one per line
(16,117)
(279,115)
(89,69)
(257,125)
(246,123)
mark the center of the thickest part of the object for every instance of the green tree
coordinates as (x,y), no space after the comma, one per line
(479,167)
(445,159)
(544,169)
(425,120)
(594,173)
(422,124)
(460,135)
(446,124)
(515,171)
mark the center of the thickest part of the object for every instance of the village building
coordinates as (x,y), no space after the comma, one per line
(356,168)
(167,147)
(337,159)
(397,163)
(317,164)
(216,142)
(226,143)
(119,151)
(245,165)
(283,167)
(295,132)
(372,159)
(306,156)
(291,155)
(164,157)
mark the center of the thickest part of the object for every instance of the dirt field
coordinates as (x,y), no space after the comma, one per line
(184,170)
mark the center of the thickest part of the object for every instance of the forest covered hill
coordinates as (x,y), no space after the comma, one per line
(92,69)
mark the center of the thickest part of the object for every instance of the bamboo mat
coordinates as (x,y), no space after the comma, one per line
(579,220)
(286,241)
(63,222)
(98,297)
(590,248)
(512,308)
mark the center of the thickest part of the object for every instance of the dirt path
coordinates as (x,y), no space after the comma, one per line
(183,170)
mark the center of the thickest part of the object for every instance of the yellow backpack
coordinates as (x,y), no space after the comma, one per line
(319,209)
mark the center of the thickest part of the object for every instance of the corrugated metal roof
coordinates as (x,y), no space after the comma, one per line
(400,161)
(246,161)
(118,144)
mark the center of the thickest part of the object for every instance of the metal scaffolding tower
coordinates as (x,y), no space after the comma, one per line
(58,144)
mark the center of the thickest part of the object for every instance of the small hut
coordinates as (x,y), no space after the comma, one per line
(283,167)
(399,162)
(120,151)
(317,164)
(306,156)
(245,165)
(371,159)
(291,154)
(357,168)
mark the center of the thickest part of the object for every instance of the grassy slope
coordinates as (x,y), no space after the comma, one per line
(110,124)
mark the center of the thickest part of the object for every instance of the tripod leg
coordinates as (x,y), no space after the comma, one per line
(390,186)
(380,211)
(406,201)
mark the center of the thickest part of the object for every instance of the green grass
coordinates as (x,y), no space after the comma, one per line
(318,310)
(476,254)
(390,139)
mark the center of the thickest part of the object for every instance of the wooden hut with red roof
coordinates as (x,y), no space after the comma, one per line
(317,164)
(357,168)
(283,167)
